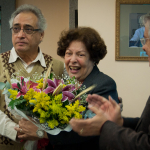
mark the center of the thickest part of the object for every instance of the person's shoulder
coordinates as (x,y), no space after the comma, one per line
(6,53)
(47,56)
(100,77)
(58,67)
(4,57)
(57,63)
(105,78)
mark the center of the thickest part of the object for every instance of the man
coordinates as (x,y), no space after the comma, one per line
(135,133)
(27,24)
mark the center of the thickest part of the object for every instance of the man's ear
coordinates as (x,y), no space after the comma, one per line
(42,36)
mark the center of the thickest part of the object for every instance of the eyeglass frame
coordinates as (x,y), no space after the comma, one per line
(12,28)
(144,39)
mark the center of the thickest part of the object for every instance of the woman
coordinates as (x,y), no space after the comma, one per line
(82,49)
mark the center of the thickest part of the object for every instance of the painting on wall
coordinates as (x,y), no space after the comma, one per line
(130,29)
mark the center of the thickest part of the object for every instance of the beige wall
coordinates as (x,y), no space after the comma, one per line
(56,13)
(132,77)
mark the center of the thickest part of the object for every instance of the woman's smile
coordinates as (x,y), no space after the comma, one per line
(77,61)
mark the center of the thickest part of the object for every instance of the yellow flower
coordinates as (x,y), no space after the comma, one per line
(43,100)
(70,108)
(40,81)
(55,108)
(41,96)
(43,114)
(40,85)
(36,107)
(13,94)
(52,123)
(45,105)
(30,94)
(81,108)
(42,120)
(57,98)
(64,116)
(77,115)
(64,85)
(33,101)
(65,120)
(75,109)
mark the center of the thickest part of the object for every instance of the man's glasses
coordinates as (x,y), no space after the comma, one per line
(26,29)
(144,40)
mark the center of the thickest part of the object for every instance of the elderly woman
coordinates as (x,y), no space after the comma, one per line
(82,49)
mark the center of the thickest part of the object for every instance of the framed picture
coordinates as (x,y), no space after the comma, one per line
(129,29)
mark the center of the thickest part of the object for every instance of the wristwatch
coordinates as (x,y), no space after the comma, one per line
(40,133)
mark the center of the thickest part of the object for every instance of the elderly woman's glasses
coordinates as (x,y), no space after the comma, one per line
(26,29)
(144,40)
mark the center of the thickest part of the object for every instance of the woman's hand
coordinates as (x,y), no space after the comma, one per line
(27,129)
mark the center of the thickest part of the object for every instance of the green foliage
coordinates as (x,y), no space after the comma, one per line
(16,102)
(23,82)
(7,85)
(2,85)
(72,80)
(51,76)
(65,103)
(5,91)
(19,86)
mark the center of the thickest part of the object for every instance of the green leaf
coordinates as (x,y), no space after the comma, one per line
(19,86)
(65,103)
(23,82)
(2,85)
(24,107)
(15,102)
(51,75)
(21,97)
(5,91)
(7,85)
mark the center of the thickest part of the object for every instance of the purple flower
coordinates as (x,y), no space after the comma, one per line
(55,87)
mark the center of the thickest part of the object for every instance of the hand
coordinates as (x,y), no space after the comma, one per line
(89,127)
(18,133)
(120,103)
(111,108)
(28,130)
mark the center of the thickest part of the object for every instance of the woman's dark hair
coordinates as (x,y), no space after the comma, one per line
(93,42)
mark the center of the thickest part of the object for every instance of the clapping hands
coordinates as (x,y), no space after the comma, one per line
(104,110)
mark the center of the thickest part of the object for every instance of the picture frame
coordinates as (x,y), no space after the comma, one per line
(128,16)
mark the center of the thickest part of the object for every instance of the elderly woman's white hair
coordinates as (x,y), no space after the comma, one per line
(30,8)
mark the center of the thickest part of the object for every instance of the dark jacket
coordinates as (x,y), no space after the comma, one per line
(135,135)
(72,141)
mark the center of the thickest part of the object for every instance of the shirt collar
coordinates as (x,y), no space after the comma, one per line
(13,57)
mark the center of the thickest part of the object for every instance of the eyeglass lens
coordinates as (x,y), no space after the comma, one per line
(26,29)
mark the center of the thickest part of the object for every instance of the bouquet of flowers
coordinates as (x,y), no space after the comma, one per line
(47,101)
(50,101)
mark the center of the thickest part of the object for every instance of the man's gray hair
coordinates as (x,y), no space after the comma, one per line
(146,19)
(30,8)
